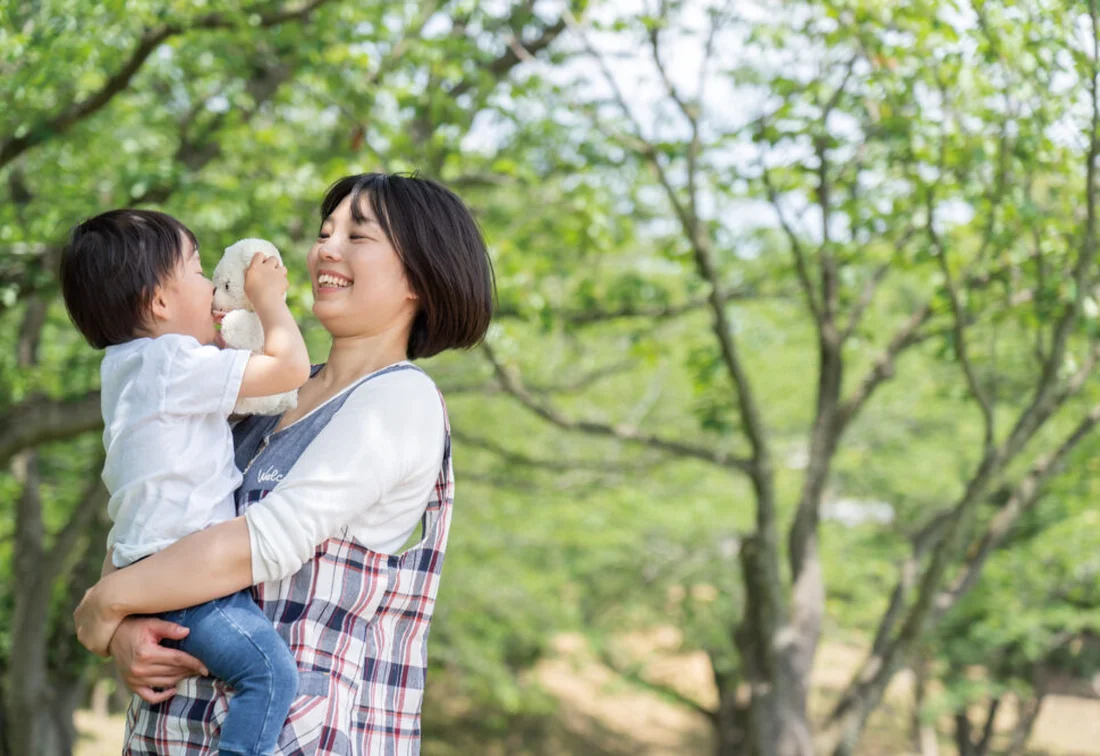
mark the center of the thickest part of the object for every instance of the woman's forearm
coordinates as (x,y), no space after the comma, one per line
(212,563)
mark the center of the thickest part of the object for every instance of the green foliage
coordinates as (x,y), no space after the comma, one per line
(968,120)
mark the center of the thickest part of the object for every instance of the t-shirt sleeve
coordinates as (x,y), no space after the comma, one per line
(374,464)
(201,379)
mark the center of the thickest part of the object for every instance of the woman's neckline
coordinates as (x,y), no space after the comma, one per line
(277,430)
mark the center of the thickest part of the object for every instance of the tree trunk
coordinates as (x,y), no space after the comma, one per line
(5,732)
(69,694)
(964,738)
(28,685)
(1027,711)
(732,718)
(924,733)
(44,677)
(778,722)
(982,748)
(962,734)
(47,729)
(46,680)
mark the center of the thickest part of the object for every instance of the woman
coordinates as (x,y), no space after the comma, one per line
(331,492)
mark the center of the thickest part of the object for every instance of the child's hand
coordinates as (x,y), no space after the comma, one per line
(265,281)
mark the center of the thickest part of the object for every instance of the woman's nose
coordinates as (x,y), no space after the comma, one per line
(329,251)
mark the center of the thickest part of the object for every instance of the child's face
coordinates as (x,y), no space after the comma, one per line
(189,297)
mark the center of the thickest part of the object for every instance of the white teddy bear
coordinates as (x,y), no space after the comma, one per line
(241,328)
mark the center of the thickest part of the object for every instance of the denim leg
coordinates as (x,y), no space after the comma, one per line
(239,646)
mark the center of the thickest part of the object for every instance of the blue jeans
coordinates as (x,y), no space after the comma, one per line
(238,644)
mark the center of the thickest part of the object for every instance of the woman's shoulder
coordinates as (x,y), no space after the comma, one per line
(400,412)
(401,389)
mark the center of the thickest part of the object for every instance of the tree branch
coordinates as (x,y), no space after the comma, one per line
(552,465)
(865,299)
(797,251)
(512,385)
(907,336)
(93,500)
(516,51)
(692,112)
(150,40)
(962,353)
(982,746)
(1041,405)
(574,386)
(1023,498)
(752,421)
(1027,714)
(590,317)
(633,675)
(870,681)
(40,421)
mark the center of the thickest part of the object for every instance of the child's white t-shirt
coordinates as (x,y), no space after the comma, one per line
(169,468)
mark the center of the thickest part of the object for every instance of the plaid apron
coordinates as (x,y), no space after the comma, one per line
(356,620)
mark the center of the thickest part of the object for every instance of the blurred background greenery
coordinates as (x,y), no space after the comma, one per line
(783,438)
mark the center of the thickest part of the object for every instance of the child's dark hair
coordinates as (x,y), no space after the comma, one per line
(112,266)
(441,247)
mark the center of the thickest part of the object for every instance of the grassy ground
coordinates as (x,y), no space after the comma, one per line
(600,715)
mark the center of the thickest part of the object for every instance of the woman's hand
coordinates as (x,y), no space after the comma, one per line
(148,668)
(95,622)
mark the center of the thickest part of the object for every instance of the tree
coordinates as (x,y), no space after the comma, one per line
(1031,622)
(869,278)
(927,199)
(180,106)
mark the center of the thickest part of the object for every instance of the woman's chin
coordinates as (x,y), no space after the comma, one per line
(329,313)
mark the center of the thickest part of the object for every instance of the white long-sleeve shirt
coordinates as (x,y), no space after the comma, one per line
(371,469)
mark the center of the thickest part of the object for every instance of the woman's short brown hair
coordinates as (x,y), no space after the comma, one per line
(441,248)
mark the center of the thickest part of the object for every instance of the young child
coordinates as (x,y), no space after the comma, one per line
(134,286)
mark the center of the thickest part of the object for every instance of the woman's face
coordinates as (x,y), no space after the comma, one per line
(359,284)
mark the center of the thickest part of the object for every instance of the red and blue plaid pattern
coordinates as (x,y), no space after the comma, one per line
(357,622)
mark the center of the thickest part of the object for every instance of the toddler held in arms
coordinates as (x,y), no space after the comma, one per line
(134,285)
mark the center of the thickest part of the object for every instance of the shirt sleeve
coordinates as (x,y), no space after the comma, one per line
(374,465)
(199,379)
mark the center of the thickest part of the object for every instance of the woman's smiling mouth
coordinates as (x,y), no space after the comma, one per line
(329,280)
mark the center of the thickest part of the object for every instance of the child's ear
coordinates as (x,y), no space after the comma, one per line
(159,307)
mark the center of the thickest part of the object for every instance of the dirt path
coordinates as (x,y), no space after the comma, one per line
(614,718)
